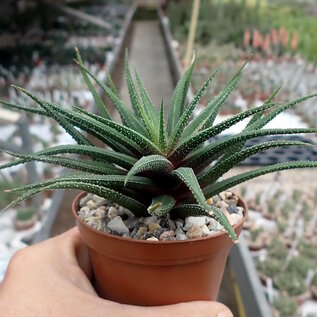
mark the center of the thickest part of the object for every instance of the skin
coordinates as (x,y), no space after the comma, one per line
(52,278)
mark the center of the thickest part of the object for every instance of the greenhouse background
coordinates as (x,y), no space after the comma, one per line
(273,271)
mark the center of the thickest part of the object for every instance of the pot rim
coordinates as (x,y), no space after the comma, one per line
(75,205)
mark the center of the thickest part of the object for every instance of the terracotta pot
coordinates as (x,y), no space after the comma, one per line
(151,273)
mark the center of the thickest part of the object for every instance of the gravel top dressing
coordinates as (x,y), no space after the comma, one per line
(104,215)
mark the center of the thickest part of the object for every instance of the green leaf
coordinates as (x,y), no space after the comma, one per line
(199,138)
(111,84)
(161,205)
(83,165)
(184,119)
(188,176)
(136,104)
(271,115)
(126,136)
(199,121)
(162,136)
(250,126)
(153,163)
(219,187)
(101,106)
(147,102)
(140,140)
(203,157)
(94,152)
(218,101)
(185,210)
(126,115)
(179,99)
(223,220)
(23,108)
(228,162)
(123,200)
(76,135)
(109,181)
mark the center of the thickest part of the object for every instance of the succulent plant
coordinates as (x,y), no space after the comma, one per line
(153,167)
(277,250)
(285,305)
(290,282)
(270,267)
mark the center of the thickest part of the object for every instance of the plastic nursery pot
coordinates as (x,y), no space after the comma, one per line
(152,273)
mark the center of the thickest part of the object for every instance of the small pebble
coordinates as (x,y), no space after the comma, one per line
(118,226)
(99,212)
(154,226)
(232,209)
(112,212)
(210,201)
(194,221)
(84,210)
(152,239)
(171,224)
(167,235)
(179,231)
(131,222)
(141,231)
(181,236)
(91,204)
(223,196)
(240,211)
(125,211)
(234,219)
(163,222)
(179,223)
(194,232)
(215,199)
(83,201)
(99,201)
(222,204)
(228,195)
(148,220)
(214,225)
(205,231)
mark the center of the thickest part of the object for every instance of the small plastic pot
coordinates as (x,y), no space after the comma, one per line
(152,273)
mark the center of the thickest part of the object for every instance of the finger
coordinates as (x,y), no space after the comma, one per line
(190,309)
(194,309)
(75,250)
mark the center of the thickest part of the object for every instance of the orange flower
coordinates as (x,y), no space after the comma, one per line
(246,38)
(294,41)
(267,43)
(274,37)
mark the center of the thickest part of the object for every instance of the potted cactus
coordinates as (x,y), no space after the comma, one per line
(162,223)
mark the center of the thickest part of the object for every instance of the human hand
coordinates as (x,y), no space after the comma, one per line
(52,278)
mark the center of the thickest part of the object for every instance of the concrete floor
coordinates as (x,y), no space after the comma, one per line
(147,53)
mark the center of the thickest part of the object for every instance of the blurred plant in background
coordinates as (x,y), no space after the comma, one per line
(227,21)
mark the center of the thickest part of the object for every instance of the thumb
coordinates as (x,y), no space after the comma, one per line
(190,309)
(197,309)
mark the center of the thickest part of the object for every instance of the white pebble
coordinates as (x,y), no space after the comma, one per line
(91,204)
(205,230)
(152,239)
(118,226)
(112,212)
(234,219)
(194,221)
